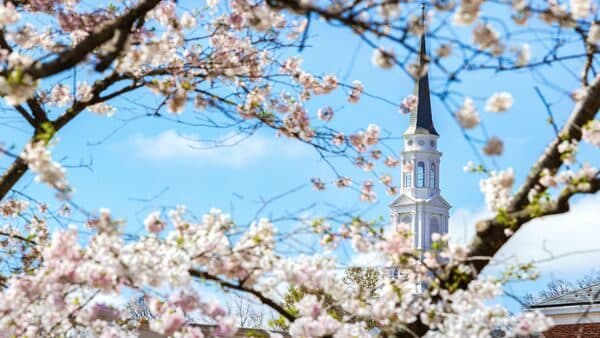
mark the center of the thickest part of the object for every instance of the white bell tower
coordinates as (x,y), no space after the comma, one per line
(420,203)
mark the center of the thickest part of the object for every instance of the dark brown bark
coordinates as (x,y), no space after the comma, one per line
(11,176)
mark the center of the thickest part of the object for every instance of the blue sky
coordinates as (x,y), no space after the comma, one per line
(151,158)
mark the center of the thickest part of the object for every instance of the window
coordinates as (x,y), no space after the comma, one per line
(407,180)
(432,182)
(420,175)
(434,227)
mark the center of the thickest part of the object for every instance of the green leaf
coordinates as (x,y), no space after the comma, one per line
(46,133)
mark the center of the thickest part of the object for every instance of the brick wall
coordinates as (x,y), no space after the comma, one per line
(574,331)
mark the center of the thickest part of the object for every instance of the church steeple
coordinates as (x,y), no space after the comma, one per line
(420,203)
(421,121)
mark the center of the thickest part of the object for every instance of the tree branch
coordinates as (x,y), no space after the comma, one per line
(239,287)
(583,112)
(490,234)
(26,115)
(73,56)
(37,110)
(11,176)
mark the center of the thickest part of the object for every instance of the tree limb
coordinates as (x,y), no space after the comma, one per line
(583,112)
(240,287)
(73,56)
(26,116)
(490,234)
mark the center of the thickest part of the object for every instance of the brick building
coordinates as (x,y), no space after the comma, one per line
(575,313)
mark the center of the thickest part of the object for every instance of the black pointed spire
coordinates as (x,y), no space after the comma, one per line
(420,119)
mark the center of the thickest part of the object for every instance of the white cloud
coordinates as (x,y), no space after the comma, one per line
(370,259)
(462,223)
(560,244)
(231,150)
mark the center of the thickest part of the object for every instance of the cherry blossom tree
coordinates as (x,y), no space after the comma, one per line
(224,59)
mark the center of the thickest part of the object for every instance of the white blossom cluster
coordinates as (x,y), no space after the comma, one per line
(493,147)
(383,58)
(580,8)
(17,87)
(486,38)
(497,188)
(13,207)
(409,104)
(467,115)
(591,133)
(39,160)
(499,102)
(568,151)
(523,54)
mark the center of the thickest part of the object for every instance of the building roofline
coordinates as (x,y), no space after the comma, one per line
(594,299)
(562,304)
